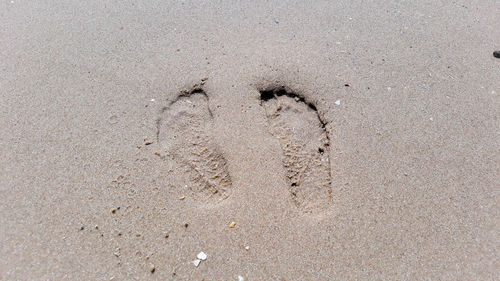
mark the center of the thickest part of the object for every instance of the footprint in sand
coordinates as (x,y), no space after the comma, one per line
(184,134)
(304,141)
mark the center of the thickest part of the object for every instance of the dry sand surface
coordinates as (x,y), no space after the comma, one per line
(314,140)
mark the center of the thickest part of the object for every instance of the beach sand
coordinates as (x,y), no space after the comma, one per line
(324,140)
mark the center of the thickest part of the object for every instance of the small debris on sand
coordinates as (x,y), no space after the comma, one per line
(496,54)
(202,256)
(337,102)
(232,224)
(182,197)
(247,248)
(152,268)
(240,278)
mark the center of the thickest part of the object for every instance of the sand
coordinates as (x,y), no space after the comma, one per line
(324,140)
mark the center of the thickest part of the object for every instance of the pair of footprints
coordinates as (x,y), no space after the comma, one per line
(185,135)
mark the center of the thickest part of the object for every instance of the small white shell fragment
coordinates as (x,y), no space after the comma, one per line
(247,248)
(337,102)
(196,262)
(240,278)
(202,256)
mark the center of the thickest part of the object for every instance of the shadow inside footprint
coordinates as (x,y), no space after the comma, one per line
(305,144)
(184,135)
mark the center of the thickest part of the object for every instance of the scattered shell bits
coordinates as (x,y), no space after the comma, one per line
(232,224)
